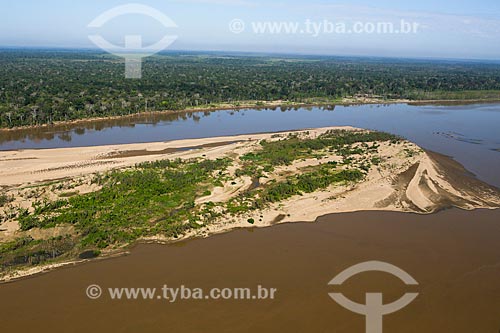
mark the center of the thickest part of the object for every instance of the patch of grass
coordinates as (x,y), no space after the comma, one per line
(151,198)
(27,251)
(410,152)
(320,178)
(42,184)
(293,147)
(376,160)
(68,194)
(5,199)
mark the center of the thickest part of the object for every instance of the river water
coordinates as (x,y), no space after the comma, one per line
(469,133)
(454,255)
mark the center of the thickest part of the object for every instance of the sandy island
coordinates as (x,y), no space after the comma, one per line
(420,182)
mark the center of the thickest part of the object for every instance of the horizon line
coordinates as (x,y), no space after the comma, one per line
(256,53)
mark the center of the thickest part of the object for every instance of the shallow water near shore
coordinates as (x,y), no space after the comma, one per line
(454,255)
(468,133)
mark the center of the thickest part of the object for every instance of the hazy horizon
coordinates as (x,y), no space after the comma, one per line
(447,29)
(269,54)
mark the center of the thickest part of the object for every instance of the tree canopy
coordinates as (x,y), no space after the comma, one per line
(40,87)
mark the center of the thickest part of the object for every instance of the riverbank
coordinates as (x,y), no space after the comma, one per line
(253,104)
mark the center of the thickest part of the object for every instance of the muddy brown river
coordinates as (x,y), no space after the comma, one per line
(454,256)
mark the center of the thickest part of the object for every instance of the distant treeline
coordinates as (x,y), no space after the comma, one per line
(39,87)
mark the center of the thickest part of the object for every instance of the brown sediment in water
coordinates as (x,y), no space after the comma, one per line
(458,175)
(454,255)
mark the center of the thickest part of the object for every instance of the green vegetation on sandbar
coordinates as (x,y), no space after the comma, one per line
(292,148)
(159,198)
(28,251)
(152,198)
(322,177)
(5,199)
(284,152)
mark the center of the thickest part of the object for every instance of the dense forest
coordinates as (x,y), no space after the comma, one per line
(44,86)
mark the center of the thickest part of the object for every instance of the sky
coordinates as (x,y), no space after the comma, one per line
(445,28)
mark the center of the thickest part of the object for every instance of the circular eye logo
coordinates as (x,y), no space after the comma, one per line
(133,51)
(374,309)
